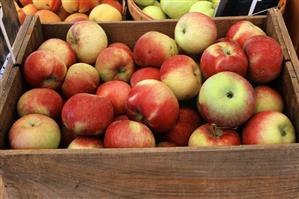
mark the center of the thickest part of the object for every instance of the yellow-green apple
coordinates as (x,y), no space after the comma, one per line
(52,5)
(144,73)
(123,46)
(84,142)
(81,6)
(211,135)
(105,12)
(44,69)
(204,7)
(40,100)
(62,14)
(265,58)
(75,17)
(88,39)
(115,3)
(176,8)
(182,75)
(153,48)
(34,131)
(25,2)
(194,32)
(115,63)
(165,144)
(29,9)
(128,134)
(223,56)
(153,103)
(67,136)
(226,99)
(80,78)
(60,48)
(267,99)
(144,2)
(187,122)
(119,98)
(243,30)
(47,16)
(154,12)
(269,127)
(157,3)
(87,114)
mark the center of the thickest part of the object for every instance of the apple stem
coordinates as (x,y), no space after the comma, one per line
(215,130)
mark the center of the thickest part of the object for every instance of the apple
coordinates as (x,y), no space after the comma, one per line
(25,2)
(269,127)
(122,46)
(166,144)
(62,13)
(153,103)
(204,7)
(267,99)
(265,58)
(115,3)
(47,16)
(144,73)
(144,2)
(84,142)
(88,39)
(40,100)
(128,134)
(115,63)
(176,8)
(226,99)
(153,48)
(87,114)
(80,78)
(154,12)
(223,56)
(105,12)
(81,6)
(182,75)
(60,48)
(187,122)
(29,9)
(75,17)
(243,30)
(194,32)
(34,131)
(52,5)
(211,135)
(44,69)
(119,98)
(21,14)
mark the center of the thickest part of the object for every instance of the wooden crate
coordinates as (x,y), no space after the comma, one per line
(235,172)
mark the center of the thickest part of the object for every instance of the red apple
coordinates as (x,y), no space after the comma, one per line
(115,63)
(44,69)
(47,16)
(84,142)
(128,134)
(187,122)
(223,56)
(80,78)
(52,5)
(75,17)
(119,98)
(269,127)
(122,46)
(87,114)
(153,48)
(182,75)
(166,144)
(34,131)
(40,100)
(144,73)
(152,102)
(267,99)
(25,2)
(81,6)
(265,58)
(115,3)
(242,31)
(211,135)
(29,9)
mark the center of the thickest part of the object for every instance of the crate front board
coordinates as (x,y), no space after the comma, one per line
(181,172)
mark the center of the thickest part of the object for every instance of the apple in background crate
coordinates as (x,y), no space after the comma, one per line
(268,127)
(75,17)
(144,2)
(154,12)
(204,7)
(79,5)
(105,12)
(84,142)
(34,131)
(29,9)
(176,8)
(128,134)
(52,5)
(47,16)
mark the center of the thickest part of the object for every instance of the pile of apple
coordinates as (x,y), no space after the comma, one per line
(53,11)
(88,94)
(174,9)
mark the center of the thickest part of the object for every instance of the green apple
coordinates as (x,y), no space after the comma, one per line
(176,8)
(157,3)
(205,7)
(144,2)
(154,12)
